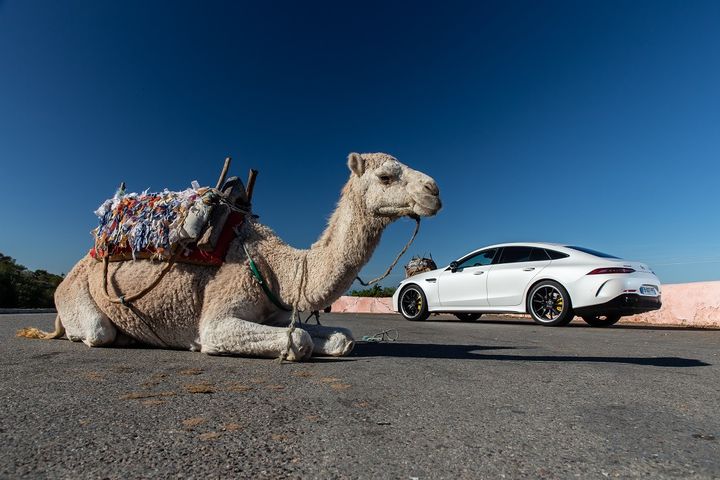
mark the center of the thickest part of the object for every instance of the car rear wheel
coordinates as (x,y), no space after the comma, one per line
(468,317)
(601,320)
(549,304)
(413,304)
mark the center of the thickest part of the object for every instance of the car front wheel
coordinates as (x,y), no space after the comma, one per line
(601,320)
(549,304)
(413,304)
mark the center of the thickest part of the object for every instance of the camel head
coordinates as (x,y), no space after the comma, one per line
(390,189)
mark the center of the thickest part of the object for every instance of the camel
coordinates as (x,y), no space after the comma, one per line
(223,310)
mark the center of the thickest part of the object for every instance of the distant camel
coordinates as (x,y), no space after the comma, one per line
(223,310)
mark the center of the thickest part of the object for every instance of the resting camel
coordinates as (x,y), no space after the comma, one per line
(223,310)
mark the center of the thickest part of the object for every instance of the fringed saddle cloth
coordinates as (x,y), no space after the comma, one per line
(195,225)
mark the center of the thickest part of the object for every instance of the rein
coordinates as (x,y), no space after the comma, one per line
(295,315)
(263,284)
(392,265)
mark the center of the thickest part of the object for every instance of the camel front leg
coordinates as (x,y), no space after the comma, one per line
(332,341)
(234,336)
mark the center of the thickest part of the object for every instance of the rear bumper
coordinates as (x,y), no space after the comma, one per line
(623,305)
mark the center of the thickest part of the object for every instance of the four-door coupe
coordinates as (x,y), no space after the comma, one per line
(551,282)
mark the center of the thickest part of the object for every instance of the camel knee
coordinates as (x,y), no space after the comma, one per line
(100,337)
(89,326)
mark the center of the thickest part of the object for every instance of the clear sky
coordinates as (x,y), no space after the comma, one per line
(594,123)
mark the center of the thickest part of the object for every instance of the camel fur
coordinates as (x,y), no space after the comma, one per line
(222,310)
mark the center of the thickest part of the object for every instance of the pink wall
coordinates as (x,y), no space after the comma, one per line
(686,304)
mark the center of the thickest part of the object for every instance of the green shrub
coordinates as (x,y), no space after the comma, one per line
(21,288)
(374,291)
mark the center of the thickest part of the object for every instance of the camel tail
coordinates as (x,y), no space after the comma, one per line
(32,332)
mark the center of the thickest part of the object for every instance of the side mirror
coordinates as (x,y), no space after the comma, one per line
(453,266)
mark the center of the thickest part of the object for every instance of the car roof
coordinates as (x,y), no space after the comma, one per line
(525,244)
(553,246)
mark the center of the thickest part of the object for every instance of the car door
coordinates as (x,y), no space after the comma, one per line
(512,272)
(465,285)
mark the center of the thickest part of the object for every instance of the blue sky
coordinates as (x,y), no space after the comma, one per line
(594,123)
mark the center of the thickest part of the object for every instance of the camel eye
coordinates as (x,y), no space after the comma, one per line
(385,179)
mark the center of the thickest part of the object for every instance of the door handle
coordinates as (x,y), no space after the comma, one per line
(529,269)
(479,273)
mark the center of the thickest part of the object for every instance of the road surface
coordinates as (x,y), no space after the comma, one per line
(492,399)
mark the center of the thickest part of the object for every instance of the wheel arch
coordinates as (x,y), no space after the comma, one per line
(538,281)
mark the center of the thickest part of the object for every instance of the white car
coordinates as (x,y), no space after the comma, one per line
(551,282)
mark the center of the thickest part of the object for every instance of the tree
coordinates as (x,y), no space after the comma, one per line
(21,288)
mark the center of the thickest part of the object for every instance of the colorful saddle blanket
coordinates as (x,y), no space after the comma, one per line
(160,226)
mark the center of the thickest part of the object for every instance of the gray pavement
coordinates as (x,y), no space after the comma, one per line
(492,399)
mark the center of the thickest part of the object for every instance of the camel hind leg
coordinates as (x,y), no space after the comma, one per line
(82,318)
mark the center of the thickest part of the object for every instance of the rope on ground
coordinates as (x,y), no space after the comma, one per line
(389,335)
(392,265)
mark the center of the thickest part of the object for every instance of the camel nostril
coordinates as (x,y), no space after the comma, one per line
(432,188)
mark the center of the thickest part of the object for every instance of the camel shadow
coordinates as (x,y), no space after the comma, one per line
(475,352)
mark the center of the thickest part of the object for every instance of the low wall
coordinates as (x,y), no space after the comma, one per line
(362,305)
(684,304)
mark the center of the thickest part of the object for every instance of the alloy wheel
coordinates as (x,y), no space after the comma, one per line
(547,303)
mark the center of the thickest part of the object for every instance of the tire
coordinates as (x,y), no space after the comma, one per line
(601,320)
(467,317)
(413,304)
(549,304)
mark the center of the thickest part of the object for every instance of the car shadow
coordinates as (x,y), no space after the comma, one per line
(576,323)
(477,352)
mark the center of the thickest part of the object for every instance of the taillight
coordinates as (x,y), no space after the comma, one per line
(605,271)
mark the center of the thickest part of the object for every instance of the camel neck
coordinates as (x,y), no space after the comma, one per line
(342,250)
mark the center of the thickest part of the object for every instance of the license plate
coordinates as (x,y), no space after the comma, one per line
(651,291)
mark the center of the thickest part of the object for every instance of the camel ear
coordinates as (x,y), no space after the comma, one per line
(356,164)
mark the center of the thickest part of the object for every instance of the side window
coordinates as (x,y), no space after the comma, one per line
(481,258)
(538,255)
(556,255)
(515,254)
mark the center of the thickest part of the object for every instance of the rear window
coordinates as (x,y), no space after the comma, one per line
(592,252)
(538,255)
(556,255)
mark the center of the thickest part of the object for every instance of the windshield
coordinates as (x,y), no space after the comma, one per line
(592,252)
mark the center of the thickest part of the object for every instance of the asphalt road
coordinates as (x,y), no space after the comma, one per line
(493,399)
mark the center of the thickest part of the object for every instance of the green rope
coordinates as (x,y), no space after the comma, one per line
(263,284)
